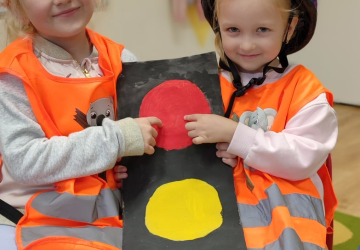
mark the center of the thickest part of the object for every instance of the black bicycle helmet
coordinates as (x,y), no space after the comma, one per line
(307,13)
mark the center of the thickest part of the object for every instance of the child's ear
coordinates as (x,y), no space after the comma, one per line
(292,28)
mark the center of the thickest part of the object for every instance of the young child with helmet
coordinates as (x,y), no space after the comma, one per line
(282,126)
(58,130)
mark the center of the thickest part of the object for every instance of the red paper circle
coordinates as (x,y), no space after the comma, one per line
(170,102)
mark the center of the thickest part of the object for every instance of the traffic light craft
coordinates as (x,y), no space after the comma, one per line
(182,197)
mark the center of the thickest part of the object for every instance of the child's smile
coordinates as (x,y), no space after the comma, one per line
(56,20)
(67,13)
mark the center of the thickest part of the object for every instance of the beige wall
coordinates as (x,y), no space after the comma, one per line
(334,52)
(147,29)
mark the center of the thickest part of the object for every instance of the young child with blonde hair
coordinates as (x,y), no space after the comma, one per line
(58,129)
(282,126)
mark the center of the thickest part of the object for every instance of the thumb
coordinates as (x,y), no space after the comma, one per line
(191,117)
(199,140)
(155,121)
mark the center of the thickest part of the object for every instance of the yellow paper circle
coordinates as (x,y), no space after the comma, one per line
(184,210)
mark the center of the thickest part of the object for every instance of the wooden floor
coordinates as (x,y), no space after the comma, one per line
(346,160)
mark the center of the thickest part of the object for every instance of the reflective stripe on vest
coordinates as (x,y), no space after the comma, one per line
(274,205)
(289,240)
(108,235)
(260,215)
(82,208)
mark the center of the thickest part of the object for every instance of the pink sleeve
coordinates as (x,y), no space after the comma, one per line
(298,151)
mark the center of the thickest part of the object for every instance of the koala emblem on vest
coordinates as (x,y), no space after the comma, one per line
(97,112)
(259,119)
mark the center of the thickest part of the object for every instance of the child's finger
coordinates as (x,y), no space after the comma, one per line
(193,117)
(152,142)
(155,121)
(190,126)
(192,134)
(222,146)
(149,150)
(120,169)
(154,133)
(199,140)
(231,162)
(225,154)
(119,176)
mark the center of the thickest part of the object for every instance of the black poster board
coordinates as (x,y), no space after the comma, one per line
(159,85)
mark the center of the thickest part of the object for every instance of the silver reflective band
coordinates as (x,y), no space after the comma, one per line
(108,235)
(117,194)
(289,240)
(299,205)
(83,208)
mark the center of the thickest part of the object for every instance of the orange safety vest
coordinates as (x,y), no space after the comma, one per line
(80,213)
(277,213)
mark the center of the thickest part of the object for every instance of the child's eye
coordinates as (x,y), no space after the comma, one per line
(233,29)
(262,29)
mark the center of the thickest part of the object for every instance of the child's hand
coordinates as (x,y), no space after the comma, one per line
(119,173)
(210,128)
(148,132)
(227,158)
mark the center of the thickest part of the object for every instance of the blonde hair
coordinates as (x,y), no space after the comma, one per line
(283,5)
(17,23)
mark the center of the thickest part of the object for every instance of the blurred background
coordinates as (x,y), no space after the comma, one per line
(164,29)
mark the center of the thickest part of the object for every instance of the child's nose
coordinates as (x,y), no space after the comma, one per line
(60,2)
(247,44)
